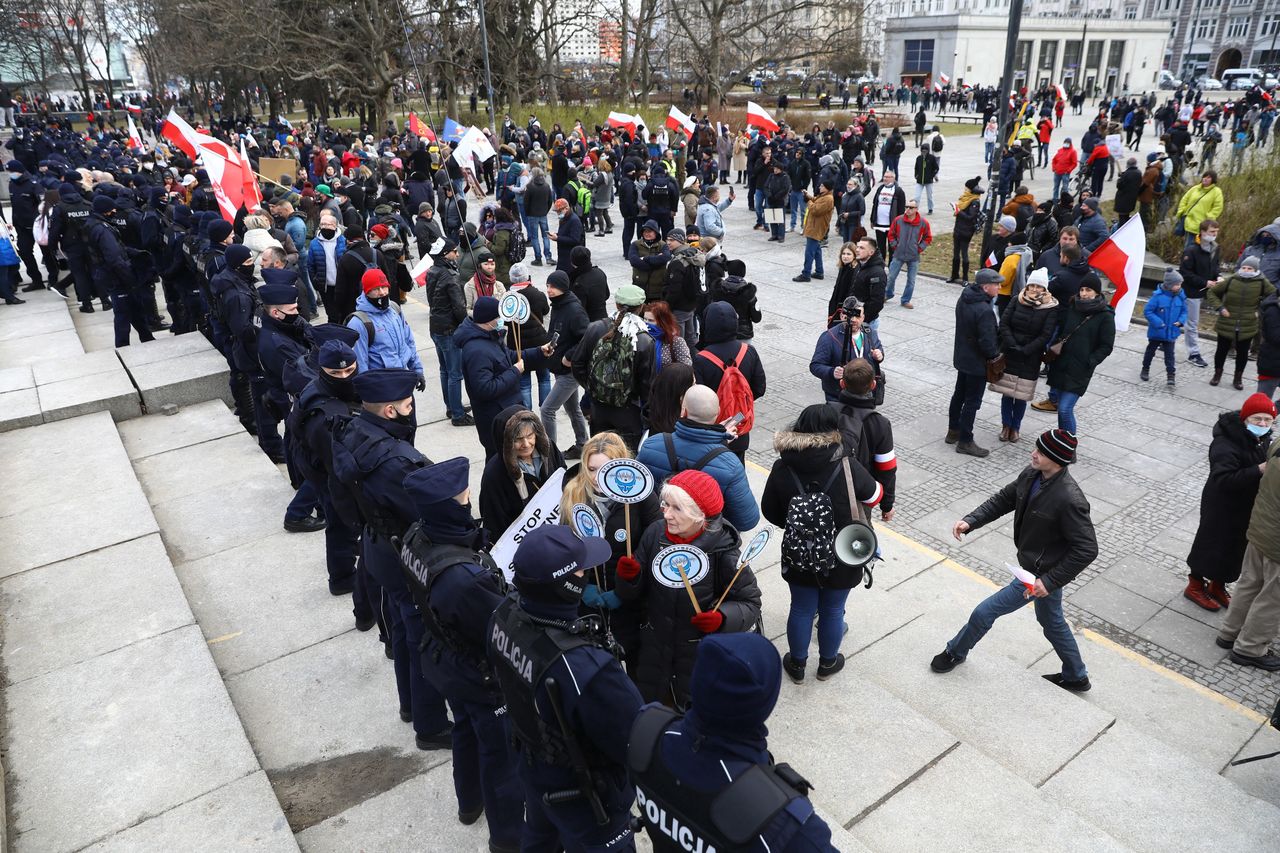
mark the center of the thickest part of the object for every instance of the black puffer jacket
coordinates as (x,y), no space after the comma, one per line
(813,458)
(1269,327)
(975,341)
(741,295)
(1042,232)
(1226,503)
(444,295)
(668,641)
(869,279)
(1024,332)
(504,487)
(589,283)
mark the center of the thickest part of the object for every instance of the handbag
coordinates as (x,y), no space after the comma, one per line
(996,367)
(1016,387)
(1054,351)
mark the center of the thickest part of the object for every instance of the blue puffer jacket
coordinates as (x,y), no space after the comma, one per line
(692,441)
(1166,312)
(393,343)
(316,259)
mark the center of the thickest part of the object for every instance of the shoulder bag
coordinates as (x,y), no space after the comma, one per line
(1054,351)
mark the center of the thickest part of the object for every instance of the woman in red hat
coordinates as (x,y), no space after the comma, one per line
(691,515)
(1237,458)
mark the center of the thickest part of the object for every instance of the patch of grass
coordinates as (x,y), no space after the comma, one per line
(1250,202)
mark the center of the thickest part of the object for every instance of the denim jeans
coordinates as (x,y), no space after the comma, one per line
(539,224)
(1167,348)
(1191,327)
(927,190)
(828,604)
(1067,410)
(778,231)
(564,392)
(526,386)
(450,358)
(1060,182)
(798,207)
(813,256)
(1048,614)
(1011,412)
(1268,387)
(966,399)
(987,148)
(759,205)
(895,266)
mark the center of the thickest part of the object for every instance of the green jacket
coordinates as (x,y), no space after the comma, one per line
(1241,297)
(1264,533)
(1087,347)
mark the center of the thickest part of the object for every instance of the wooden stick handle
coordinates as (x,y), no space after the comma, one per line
(688,587)
(725,594)
(626,514)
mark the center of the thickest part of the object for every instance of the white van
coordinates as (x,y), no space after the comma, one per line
(1242,78)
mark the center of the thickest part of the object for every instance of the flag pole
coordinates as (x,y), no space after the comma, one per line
(1010,47)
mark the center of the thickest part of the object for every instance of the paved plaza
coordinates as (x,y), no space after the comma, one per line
(177,676)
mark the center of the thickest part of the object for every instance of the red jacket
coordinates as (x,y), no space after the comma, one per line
(1046,129)
(1065,161)
(1100,152)
(925,234)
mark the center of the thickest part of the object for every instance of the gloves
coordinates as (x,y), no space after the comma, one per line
(708,621)
(628,568)
(422,382)
(593,597)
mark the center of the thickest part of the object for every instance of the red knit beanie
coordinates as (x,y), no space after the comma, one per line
(1257,404)
(373,278)
(380,231)
(703,488)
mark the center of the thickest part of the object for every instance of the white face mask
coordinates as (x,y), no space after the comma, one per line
(1208,239)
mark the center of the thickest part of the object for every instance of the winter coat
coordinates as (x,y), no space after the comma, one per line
(538,196)
(720,338)
(1042,233)
(1166,312)
(642,367)
(968,212)
(628,198)
(500,244)
(488,369)
(668,642)
(908,240)
(1241,297)
(24,197)
(1052,531)
(351,268)
(926,168)
(740,294)
(1088,346)
(570,233)
(896,206)
(569,320)
(317,261)
(689,202)
(1267,250)
(1065,283)
(817,219)
(683,288)
(533,332)
(1264,533)
(1128,186)
(649,263)
(831,352)
(869,282)
(1151,178)
(1023,333)
(975,338)
(1093,231)
(710,219)
(853,206)
(471,292)
(590,284)
(1065,160)
(1199,267)
(504,487)
(444,295)
(1269,326)
(1199,204)
(691,442)
(393,343)
(1226,502)
(777,187)
(813,457)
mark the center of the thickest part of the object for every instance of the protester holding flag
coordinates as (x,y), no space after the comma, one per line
(1088,333)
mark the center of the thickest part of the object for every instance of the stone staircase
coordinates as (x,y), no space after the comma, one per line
(177,676)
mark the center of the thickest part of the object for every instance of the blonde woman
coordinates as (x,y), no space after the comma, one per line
(740,156)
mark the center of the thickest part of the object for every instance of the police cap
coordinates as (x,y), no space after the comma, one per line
(325,332)
(735,683)
(278,294)
(385,385)
(336,355)
(435,483)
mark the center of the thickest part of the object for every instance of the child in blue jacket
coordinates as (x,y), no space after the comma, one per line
(1166,312)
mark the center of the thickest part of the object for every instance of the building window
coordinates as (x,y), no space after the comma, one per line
(1095,55)
(1206,28)
(1130,13)
(1237,28)
(1270,24)
(1048,55)
(1022,60)
(1116,57)
(917,56)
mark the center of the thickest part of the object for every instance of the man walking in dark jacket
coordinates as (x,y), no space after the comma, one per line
(492,372)
(1055,540)
(567,326)
(628,204)
(113,273)
(571,233)
(448,310)
(975,344)
(1128,185)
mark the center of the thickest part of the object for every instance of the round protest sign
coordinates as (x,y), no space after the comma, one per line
(755,546)
(676,561)
(586,521)
(625,480)
(514,307)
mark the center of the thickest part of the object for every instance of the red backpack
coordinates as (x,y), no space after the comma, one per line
(734,392)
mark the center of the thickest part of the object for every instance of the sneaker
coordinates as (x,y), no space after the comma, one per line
(944,662)
(574,452)
(819,276)
(1224,644)
(310,524)
(826,668)
(1270,661)
(1081,686)
(970,448)
(1198,361)
(537,262)
(793,668)
(1145,375)
(1045,406)
(801,277)
(464,421)
(1171,382)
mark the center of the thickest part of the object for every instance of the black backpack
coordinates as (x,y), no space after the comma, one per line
(369,332)
(677,464)
(518,247)
(809,536)
(660,195)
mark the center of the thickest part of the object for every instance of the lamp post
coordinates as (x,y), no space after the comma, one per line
(1010,47)
(488,79)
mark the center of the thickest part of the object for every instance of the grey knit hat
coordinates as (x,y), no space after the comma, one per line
(1008,223)
(1252,261)
(1171,277)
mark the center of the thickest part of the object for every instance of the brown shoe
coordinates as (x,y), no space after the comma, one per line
(953,435)
(1045,406)
(1219,593)
(907,305)
(1195,592)
(1004,433)
(1237,382)
(1013,435)
(1217,377)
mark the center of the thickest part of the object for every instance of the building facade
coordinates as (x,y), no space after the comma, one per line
(1100,53)
(1213,36)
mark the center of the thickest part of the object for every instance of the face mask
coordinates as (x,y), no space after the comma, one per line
(654,329)
(407,420)
(245,273)
(328,233)
(13,176)
(381,301)
(501,327)
(570,588)
(1208,239)
(1247,273)
(292,319)
(1258,430)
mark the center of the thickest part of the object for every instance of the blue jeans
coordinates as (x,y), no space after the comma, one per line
(450,358)
(526,386)
(828,604)
(1011,412)
(927,190)
(812,256)
(538,224)
(797,208)
(895,266)
(987,148)
(1060,182)
(1048,614)
(1066,402)
(759,204)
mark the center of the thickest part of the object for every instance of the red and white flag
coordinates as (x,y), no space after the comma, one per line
(135,138)
(758,116)
(941,81)
(133,108)
(991,260)
(1062,92)
(1120,258)
(421,268)
(249,181)
(218,159)
(677,120)
(418,128)
(622,121)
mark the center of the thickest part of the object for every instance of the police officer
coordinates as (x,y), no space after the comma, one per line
(457,588)
(371,458)
(178,273)
(24,200)
(284,337)
(569,703)
(67,232)
(113,273)
(717,754)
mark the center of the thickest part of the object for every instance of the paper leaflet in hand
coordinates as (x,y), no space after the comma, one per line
(1028,579)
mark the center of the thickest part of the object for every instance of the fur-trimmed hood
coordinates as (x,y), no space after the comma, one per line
(786,441)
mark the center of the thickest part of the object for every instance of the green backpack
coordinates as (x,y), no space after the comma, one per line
(612,376)
(583,194)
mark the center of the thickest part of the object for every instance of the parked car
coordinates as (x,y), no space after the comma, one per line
(1207,83)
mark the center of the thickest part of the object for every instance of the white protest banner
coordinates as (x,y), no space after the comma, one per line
(473,142)
(543,508)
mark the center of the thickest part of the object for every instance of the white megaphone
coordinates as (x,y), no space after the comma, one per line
(855,545)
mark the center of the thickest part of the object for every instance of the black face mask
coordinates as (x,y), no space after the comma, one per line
(570,588)
(292,319)
(328,233)
(343,389)
(381,301)
(407,420)
(245,272)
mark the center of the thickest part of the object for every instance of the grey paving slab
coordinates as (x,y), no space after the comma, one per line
(966,803)
(1138,790)
(1114,603)
(165,348)
(1259,778)
(18,326)
(190,425)
(182,380)
(20,409)
(1141,576)
(60,462)
(15,378)
(244,510)
(198,468)
(36,348)
(79,608)
(88,364)
(133,755)
(104,392)
(1188,637)
(241,816)
(264,599)
(1032,739)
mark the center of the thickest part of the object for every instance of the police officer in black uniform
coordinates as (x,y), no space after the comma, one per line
(569,704)
(67,232)
(707,780)
(457,588)
(371,458)
(113,272)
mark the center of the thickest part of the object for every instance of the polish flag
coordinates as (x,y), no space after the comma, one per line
(622,121)
(216,157)
(677,120)
(757,116)
(136,110)
(942,80)
(420,269)
(1062,92)
(248,181)
(1120,258)
(419,129)
(990,261)
(135,139)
